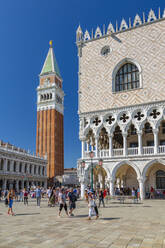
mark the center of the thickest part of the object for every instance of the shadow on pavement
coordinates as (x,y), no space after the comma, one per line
(27,214)
(109,218)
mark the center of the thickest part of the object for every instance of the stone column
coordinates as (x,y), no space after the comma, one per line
(22,184)
(140,151)
(5,165)
(96,142)
(45,184)
(82,189)
(110,145)
(124,144)
(111,186)
(141,187)
(82,148)
(4,184)
(155,132)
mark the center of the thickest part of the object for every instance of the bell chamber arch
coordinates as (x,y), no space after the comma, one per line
(126,76)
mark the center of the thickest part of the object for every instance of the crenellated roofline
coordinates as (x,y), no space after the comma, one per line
(124,26)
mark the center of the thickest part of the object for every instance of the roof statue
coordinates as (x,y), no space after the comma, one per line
(138,21)
(50,64)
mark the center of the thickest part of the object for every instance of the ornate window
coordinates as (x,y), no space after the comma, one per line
(160,179)
(127,77)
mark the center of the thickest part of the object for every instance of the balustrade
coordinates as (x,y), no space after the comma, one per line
(131,151)
(118,152)
(148,150)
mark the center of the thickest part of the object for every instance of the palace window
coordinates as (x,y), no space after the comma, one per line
(160,179)
(20,167)
(8,165)
(14,166)
(127,77)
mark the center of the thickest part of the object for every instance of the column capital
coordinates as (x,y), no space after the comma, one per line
(155,130)
(124,134)
(111,180)
(141,179)
(139,132)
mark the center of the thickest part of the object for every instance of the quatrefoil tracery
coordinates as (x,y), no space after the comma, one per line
(154,113)
(96,121)
(124,118)
(139,116)
(110,120)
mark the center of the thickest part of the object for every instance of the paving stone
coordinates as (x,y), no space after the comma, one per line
(120,226)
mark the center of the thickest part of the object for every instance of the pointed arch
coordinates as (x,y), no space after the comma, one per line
(120,64)
(149,164)
(118,165)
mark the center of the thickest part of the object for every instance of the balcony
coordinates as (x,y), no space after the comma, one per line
(146,150)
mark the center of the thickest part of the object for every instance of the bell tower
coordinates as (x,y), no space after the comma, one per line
(50,110)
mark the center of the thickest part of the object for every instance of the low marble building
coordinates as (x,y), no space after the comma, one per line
(20,169)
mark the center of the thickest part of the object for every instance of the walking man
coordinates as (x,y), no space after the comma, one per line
(38,196)
(101,198)
(72,201)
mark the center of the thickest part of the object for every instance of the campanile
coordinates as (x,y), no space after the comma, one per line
(50,108)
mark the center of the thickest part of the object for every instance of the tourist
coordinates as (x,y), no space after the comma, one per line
(101,198)
(152,193)
(52,198)
(62,201)
(10,198)
(21,196)
(38,196)
(25,197)
(92,206)
(72,201)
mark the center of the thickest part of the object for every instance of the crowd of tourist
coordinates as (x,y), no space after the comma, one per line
(66,198)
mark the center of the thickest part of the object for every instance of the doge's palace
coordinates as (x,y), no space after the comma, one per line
(122,104)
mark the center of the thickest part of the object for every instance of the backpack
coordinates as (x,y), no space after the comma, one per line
(73,197)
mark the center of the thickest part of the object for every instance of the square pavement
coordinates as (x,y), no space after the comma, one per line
(120,225)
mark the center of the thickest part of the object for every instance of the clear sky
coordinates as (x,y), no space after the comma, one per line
(25,30)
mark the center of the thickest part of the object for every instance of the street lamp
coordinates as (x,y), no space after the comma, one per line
(91,154)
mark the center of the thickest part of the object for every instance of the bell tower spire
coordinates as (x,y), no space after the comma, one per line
(50,108)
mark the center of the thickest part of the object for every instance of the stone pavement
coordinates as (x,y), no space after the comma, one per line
(120,225)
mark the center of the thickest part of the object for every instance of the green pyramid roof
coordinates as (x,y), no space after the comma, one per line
(50,64)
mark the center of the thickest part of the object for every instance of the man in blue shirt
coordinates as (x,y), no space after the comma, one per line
(38,196)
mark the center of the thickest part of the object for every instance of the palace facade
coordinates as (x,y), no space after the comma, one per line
(122,104)
(20,169)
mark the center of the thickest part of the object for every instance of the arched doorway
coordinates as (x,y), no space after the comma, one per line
(100,177)
(155,178)
(125,180)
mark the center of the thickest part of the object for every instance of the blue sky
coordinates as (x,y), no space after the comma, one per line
(25,30)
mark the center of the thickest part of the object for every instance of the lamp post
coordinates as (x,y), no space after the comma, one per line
(82,179)
(91,154)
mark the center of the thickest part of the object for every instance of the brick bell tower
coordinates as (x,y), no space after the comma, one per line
(50,108)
